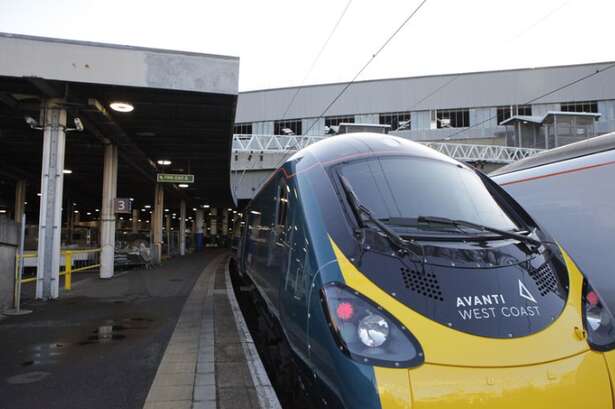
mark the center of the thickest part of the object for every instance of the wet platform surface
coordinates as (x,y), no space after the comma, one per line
(211,361)
(103,344)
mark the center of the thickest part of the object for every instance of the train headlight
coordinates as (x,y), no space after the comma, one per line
(598,320)
(366,332)
(373,330)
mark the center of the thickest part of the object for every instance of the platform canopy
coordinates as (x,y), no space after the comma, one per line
(184,108)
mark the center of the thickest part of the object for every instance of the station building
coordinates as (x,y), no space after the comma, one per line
(107,150)
(522,107)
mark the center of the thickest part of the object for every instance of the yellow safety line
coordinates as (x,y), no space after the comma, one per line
(85,268)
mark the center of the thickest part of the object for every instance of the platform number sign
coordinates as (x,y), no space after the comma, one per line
(123,205)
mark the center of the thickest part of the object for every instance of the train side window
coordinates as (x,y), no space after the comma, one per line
(282,211)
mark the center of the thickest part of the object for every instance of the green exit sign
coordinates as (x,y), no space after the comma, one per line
(174,178)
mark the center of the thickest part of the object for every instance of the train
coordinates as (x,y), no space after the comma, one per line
(570,191)
(384,274)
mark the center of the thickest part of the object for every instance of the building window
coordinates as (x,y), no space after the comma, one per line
(397,120)
(336,120)
(507,111)
(453,118)
(586,106)
(287,127)
(525,110)
(243,129)
(504,113)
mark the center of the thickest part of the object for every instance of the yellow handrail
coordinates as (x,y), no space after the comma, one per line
(68,265)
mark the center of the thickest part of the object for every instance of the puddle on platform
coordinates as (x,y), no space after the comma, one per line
(111,332)
(28,377)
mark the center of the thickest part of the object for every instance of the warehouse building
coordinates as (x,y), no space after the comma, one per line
(533,108)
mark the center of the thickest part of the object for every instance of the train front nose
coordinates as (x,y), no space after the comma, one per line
(581,381)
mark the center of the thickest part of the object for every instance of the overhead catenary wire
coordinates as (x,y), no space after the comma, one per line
(541,96)
(363,68)
(316,59)
(298,90)
(536,23)
(369,61)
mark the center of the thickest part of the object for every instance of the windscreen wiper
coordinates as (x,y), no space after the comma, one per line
(360,210)
(464,223)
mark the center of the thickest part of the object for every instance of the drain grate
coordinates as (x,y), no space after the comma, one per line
(425,284)
(545,279)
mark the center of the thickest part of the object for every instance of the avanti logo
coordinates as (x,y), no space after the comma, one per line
(525,293)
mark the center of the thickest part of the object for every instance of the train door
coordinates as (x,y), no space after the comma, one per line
(296,282)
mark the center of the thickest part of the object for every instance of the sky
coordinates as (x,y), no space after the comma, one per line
(278,40)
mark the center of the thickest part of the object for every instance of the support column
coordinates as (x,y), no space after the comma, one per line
(199,230)
(167,229)
(107,220)
(156,224)
(182,228)
(135,220)
(225,232)
(50,214)
(20,200)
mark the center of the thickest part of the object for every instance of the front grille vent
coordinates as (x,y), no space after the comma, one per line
(545,279)
(425,284)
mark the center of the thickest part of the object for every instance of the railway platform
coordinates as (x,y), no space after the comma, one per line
(169,337)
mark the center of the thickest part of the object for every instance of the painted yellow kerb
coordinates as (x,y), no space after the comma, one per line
(447,346)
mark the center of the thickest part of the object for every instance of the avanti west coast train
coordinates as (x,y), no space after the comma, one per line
(395,277)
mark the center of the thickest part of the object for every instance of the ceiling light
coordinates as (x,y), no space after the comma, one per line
(166,210)
(183,185)
(39,194)
(194,209)
(76,211)
(148,206)
(164,162)
(97,210)
(67,171)
(89,213)
(121,106)
(2,211)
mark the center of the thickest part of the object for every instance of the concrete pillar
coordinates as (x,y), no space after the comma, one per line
(20,200)
(182,228)
(199,230)
(107,218)
(50,214)
(213,222)
(167,229)
(156,223)
(135,220)
(225,222)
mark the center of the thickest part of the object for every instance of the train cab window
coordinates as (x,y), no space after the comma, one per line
(395,188)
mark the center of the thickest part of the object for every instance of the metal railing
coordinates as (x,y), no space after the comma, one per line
(460,151)
(485,153)
(73,263)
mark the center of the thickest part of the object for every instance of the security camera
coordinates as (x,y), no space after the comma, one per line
(79,125)
(32,122)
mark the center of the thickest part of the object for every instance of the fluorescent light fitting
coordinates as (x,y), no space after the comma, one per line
(164,162)
(120,106)
(67,171)
(183,185)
